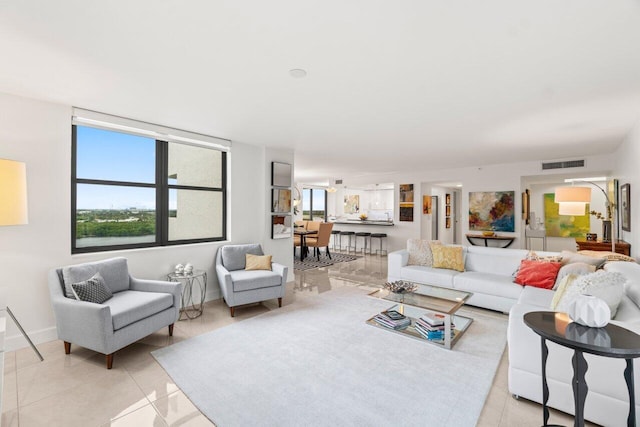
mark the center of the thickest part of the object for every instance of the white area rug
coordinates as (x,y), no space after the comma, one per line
(316,363)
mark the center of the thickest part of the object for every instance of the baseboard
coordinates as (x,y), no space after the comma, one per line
(18,341)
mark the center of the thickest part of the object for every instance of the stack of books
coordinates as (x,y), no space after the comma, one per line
(392,319)
(431,326)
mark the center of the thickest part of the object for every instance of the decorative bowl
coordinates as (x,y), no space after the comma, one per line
(488,233)
(400,287)
(363,217)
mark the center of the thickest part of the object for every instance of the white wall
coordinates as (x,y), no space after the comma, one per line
(39,134)
(627,171)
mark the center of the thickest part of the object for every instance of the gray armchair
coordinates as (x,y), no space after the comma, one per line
(137,308)
(240,286)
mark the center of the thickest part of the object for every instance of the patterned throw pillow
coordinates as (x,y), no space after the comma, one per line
(420,251)
(449,257)
(533,256)
(92,290)
(608,256)
(604,285)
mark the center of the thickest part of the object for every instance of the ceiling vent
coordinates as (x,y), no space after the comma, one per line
(563,165)
(338,181)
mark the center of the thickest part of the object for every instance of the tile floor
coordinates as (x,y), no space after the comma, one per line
(77,390)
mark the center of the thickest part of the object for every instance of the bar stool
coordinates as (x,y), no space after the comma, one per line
(380,236)
(335,234)
(364,236)
(349,234)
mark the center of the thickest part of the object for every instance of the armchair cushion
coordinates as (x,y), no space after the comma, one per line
(114,271)
(128,307)
(234,256)
(92,290)
(258,262)
(245,280)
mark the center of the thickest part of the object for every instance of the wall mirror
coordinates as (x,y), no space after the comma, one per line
(281,200)
(281,226)
(280,174)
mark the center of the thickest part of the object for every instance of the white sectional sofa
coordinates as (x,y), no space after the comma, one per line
(607,400)
(489,275)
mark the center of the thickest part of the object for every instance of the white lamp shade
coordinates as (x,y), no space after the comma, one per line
(573,194)
(572,208)
(13,193)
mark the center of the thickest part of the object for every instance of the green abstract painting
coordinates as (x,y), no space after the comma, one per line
(564,225)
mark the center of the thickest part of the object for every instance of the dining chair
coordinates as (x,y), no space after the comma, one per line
(322,239)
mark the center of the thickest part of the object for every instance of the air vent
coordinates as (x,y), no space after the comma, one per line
(338,181)
(563,165)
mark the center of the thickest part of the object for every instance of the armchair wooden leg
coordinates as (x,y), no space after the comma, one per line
(67,347)
(171,330)
(109,361)
(232,309)
(279,302)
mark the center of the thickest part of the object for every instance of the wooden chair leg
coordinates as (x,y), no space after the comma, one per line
(171,330)
(67,347)
(279,302)
(232,310)
(109,361)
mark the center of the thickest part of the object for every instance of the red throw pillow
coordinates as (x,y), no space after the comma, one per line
(541,274)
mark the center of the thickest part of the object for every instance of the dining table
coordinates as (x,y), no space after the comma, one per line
(300,231)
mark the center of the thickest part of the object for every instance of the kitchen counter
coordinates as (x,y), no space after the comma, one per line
(366,222)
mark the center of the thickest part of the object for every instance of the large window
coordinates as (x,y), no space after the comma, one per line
(314,206)
(131,191)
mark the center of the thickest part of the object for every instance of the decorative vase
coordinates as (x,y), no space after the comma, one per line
(589,311)
(179,269)
(188,268)
(606,231)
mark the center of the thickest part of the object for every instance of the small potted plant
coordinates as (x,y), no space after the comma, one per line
(363,217)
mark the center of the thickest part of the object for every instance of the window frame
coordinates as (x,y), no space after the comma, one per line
(161,186)
(311,190)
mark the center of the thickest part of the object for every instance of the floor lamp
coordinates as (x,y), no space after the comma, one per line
(573,201)
(13,211)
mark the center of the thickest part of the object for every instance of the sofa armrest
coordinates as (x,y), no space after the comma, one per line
(395,261)
(281,270)
(224,281)
(145,285)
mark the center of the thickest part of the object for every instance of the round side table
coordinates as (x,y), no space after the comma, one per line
(191,309)
(608,341)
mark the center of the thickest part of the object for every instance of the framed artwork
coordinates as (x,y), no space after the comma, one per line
(447,222)
(564,225)
(406,212)
(406,193)
(492,211)
(447,199)
(427,205)
(351,204)
(526,206)
(280,174)
(625,207)
(280,200)
(281,227)
(447,210)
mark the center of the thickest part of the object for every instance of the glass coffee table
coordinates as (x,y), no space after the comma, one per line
(428,298)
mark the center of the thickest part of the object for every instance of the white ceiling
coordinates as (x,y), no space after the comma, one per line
(392,85)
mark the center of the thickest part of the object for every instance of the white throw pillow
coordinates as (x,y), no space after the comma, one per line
(604,285)
(420,251)
(577,268)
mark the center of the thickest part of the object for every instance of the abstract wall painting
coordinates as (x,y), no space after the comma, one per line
(351,204)
(406,212)
(426,205)
(558,225)
(492,211)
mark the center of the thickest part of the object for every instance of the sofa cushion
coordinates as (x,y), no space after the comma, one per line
(536,296)
(541,274)
(246,280)
(420,252)
(93,290)
(577,268)
(234,256)
(429,275)
(128,307)
(570,257)
(258,262)
(493,260)
(114,271)
(487,283)
(449,257)
(628,311)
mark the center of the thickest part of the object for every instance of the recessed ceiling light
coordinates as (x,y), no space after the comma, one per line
(298,73)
